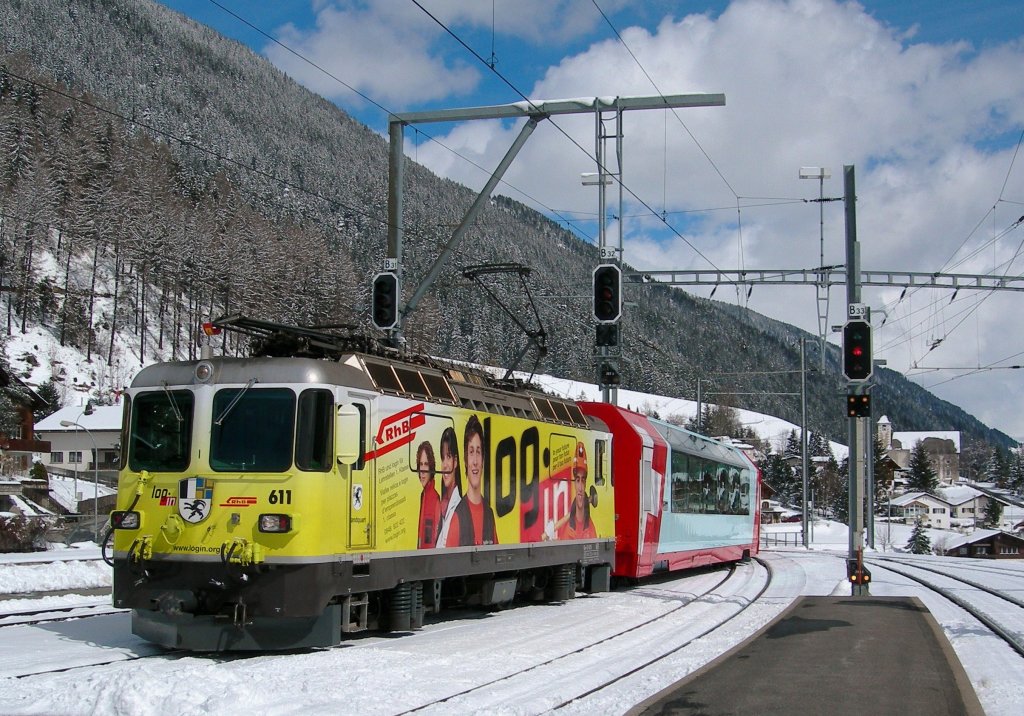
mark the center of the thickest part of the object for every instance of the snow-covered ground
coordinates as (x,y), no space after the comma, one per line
(390,674)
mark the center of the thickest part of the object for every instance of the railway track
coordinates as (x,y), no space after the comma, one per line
(604,662)
(57,613)
(994,608)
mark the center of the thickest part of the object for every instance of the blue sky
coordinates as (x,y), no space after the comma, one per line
(925,99)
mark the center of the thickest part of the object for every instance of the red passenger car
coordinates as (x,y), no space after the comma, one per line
(681,500)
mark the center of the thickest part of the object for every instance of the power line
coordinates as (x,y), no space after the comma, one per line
(193,145)
(655,85)
(385,109)
(559,128)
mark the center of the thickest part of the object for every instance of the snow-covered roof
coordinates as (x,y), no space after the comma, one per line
(976,536)
(960,494)
(103,418)
(909,497)
(911,438)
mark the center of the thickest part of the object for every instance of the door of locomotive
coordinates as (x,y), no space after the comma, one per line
(361,483)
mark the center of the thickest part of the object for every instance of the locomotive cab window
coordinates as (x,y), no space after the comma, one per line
(126,424)
(253,430)
(600,447)
(314,440)
(161,431)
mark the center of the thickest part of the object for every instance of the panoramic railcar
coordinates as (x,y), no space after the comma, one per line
(280,502)
(681,500)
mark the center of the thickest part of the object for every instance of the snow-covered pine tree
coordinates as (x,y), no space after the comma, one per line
(919,542)
(993,515)
(922,475)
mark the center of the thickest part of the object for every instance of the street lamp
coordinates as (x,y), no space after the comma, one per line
(95,472)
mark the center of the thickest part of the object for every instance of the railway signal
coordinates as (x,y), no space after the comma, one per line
(857,350)
(609,375)
(859,576)
(858,406)
(607,334)
(607,293)
(385,300)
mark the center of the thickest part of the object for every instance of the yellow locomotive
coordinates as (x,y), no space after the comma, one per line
(326,487)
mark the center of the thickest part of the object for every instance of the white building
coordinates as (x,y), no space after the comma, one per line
(931,510)
(87,442)
(967,505)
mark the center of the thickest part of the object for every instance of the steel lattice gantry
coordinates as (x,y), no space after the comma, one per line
(828,276)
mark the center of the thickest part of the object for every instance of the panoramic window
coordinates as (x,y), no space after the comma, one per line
(161,431)
(253,430)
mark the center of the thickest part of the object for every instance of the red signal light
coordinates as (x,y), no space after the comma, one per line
(857,350)
(607,293)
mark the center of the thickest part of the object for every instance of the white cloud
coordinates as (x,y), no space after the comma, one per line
(930,129)
(380,49)
(808,82)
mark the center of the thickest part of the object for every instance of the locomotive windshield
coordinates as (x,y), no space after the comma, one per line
(253,430)
(161,431)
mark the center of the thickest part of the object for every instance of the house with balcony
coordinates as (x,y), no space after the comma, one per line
(16,450)
(986,544)
(932,511)
(967,506)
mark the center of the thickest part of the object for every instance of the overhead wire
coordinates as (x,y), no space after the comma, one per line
(193,145)
(561,130)
(741,299)
(950,263)
(663,216)
(674,112)
(382,108)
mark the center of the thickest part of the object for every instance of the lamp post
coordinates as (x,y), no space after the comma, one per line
(803,444)
(95,472)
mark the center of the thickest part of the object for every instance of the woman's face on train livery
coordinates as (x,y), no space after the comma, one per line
(448,463)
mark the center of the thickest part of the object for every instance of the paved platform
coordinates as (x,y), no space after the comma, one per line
(836,656)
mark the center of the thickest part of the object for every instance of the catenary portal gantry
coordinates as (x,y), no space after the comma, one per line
(827,276)
(606,110)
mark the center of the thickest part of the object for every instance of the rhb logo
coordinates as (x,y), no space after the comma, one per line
(398,429)
(238,502)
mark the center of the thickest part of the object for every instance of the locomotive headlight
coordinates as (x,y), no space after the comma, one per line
(275,523)
(124,520)
(203,372)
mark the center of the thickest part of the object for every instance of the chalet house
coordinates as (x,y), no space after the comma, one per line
(942,446)
(932,511)
(967,505)
(987,544)
(16,450)
(83,439)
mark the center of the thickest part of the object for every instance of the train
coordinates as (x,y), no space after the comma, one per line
(327,485)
